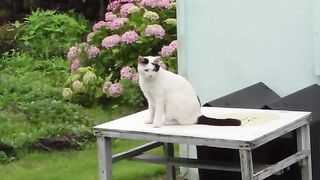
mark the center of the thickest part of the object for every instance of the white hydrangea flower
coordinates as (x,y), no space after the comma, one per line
(151,15)
(89,77)
(171,21)
(90,36)
(133,9)
(77,86)
(67,93)
(106,86)
(173,5)
(83,46)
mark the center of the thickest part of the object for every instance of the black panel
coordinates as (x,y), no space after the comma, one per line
(307,99)
(253,97)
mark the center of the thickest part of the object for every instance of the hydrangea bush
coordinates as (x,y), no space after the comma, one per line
(105,65)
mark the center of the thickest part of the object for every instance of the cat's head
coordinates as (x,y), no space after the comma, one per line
(148,66)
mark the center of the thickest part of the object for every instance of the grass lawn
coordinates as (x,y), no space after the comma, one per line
(80,165)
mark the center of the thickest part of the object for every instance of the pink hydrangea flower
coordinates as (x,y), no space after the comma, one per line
(126,72)
(174,44)
(114,5)
(109,16)
(167,51)
(129,37)
(156,3)
(163,65)
(135,78)
(75,65)
(99,25)
(126,1)
(116,24)
(92,52)
(115,90)
(163,4)
(124,9)
(125,20)
(155,30)
(111,41)
(72,54)
(149,3)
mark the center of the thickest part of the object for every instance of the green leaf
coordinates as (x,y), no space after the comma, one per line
(115,51)
(17,24)
(98,93)
(108,78)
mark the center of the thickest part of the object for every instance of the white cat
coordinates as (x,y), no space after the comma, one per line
(171,98)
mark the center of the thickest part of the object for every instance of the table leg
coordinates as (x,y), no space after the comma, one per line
(170,170)
(246,164)
(303,142)
(104,158)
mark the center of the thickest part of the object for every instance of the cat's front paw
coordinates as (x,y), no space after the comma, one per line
(148,121)
(157,124)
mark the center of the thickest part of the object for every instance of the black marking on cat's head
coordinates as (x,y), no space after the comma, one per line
(156,67)
(143,60)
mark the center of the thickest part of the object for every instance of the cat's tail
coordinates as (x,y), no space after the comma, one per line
(218,122)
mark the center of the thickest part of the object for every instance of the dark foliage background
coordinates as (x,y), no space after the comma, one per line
(11,10)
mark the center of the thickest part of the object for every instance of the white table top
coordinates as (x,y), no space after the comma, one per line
(258,127)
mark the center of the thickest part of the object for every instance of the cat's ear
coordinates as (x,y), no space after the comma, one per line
(142,60)
(157,60)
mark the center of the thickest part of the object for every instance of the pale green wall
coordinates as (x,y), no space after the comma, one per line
(316,27)
(226,45)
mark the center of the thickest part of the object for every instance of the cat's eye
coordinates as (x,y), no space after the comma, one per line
(146,70)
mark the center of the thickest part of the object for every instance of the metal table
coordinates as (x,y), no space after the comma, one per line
(259,127)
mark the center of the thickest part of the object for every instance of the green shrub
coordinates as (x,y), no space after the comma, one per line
(30,100)
(132,94)
(49,33)
(22,79)
(51,118)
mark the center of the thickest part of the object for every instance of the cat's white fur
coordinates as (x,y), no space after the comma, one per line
(171,98)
